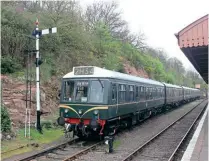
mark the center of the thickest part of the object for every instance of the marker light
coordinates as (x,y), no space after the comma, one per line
(96,112)
(80,111)
(66,110)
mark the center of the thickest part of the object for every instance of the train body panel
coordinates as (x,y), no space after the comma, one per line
(174,93)
(95,99)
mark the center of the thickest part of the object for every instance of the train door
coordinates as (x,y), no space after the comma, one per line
(114,95)
(164,94)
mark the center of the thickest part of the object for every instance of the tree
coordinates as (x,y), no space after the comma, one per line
(137,40)
(5,120)
(108,14)
(177,65)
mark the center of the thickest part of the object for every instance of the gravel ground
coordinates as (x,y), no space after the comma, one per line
(130,140)
(162,147)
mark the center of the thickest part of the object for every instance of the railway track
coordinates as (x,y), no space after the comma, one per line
(49,150)
(86,150)
(72,150)
(165,144)
(63,152)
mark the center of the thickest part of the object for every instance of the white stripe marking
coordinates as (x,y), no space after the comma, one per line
(189,151)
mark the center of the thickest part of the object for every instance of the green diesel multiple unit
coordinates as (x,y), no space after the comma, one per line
(96,101)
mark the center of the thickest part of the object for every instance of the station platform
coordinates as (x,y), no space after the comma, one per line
(197,150)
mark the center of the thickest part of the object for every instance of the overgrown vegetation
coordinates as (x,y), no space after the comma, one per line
(5,120)
(9,64)
(95,36)
(49,135)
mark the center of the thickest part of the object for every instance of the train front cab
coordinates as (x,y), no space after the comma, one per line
(84,105)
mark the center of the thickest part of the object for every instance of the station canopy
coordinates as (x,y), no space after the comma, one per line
(193,41)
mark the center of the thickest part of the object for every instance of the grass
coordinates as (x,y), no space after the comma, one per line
(48,136)
(116,144)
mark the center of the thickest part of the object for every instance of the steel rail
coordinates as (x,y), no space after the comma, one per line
(20,147)
(48,150)
(130,156)
(187,133)
(78,154)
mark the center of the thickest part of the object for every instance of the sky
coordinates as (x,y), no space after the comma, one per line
(159,20)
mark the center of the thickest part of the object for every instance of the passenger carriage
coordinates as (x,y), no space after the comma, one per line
(174,94)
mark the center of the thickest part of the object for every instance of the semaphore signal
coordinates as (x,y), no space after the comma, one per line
(38,33)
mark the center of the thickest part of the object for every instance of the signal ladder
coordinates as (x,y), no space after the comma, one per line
(28,95)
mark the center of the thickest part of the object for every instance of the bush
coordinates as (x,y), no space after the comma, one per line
(5,120)
(48,124)
(9,65)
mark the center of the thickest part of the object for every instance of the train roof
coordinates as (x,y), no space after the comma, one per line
(171,85)
(96,72)
(190,88)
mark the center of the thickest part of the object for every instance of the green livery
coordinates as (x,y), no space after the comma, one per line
(96,100)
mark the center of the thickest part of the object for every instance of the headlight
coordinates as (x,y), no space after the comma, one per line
(80,112)
(66,110)
(96,112)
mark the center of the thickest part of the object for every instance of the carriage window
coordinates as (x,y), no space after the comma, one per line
(141,92)
(162,92)
(154,93)
(81,91)
(147,93)
(114,92)
(137,92)
(159,93)
(150,93)
(131,93)
(68,90)
(122,93)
